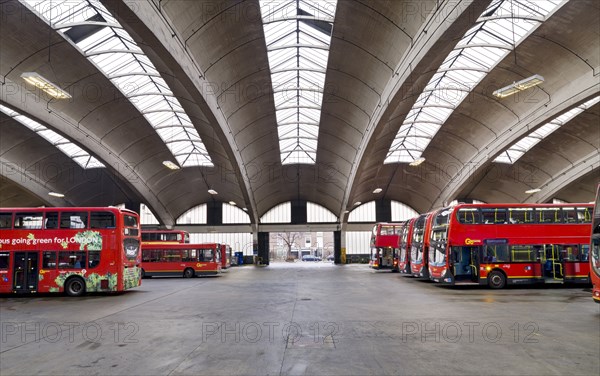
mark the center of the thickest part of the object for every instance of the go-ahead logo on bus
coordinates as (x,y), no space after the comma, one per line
(469,241)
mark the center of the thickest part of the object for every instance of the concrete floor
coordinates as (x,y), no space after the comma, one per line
(304,318)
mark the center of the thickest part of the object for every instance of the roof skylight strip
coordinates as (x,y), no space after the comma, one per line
(513,153)
(71,150)
(298,36)
(503,25)
(114,52)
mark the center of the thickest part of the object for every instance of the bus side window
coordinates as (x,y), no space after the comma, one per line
(28,220)
(5,220)
(49,260)
(73,219)
(51,220)
(102,220)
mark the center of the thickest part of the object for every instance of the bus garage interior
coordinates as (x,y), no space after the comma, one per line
(387,187)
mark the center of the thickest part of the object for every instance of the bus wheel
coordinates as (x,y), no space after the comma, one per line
(496,280)
(75,286)
(188,273)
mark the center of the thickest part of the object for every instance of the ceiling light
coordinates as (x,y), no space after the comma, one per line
(56,194)
(171,165)
(232,203)
(535,190)
(515,87)
(377,190)
(245,209)
(346,211)
(213,192)
(417,162)
(45,85)
(357,203)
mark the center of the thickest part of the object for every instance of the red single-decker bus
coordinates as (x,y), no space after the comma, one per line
(500,244)
(72,250)
(181,260)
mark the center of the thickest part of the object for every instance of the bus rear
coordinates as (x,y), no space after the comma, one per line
(595,250)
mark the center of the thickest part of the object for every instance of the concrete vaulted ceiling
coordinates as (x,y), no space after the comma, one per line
(214,58)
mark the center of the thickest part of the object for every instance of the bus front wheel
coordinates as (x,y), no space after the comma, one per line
(496,280)
(188,273)
(75,287)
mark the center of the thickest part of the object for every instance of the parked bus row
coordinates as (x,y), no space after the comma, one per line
(93,249)
(595,249)
(499,244)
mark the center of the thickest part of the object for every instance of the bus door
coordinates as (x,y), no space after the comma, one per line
(25,272)
(465,263)
(387,257)
(552,265)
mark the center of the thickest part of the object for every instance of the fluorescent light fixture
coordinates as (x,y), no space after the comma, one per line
(357,203)
(346,211)
(213,192)
(515,87)
(56,194)
(417,162)
(377,190)
(535,190)
(232,203)
(45,85)
(171,165)
(245,209)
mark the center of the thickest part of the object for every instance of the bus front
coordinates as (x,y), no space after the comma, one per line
(416,248)
(131,255)
(437,245)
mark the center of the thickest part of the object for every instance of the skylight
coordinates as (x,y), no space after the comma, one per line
(512,154)
(100,37)
(298,35)
(503,25)
(77,154)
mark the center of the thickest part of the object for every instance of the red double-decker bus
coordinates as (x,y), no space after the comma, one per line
(595,250)
(165,236)
(181,260)
(500,244)
(226,256)
(405,241)
(419,246)
(72,250)
(384,246)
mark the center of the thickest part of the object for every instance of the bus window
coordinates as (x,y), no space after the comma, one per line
(73,220)
(71,260)
(493,215)
(49,260)
(522,253)
(102,220)
(470,216)
(206,255)
(130,221)
(30,221)
(5,220)
(569,215)
(51,220)
(495,253)
(548,215)
(4,260)
(520,215)
(584,215)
